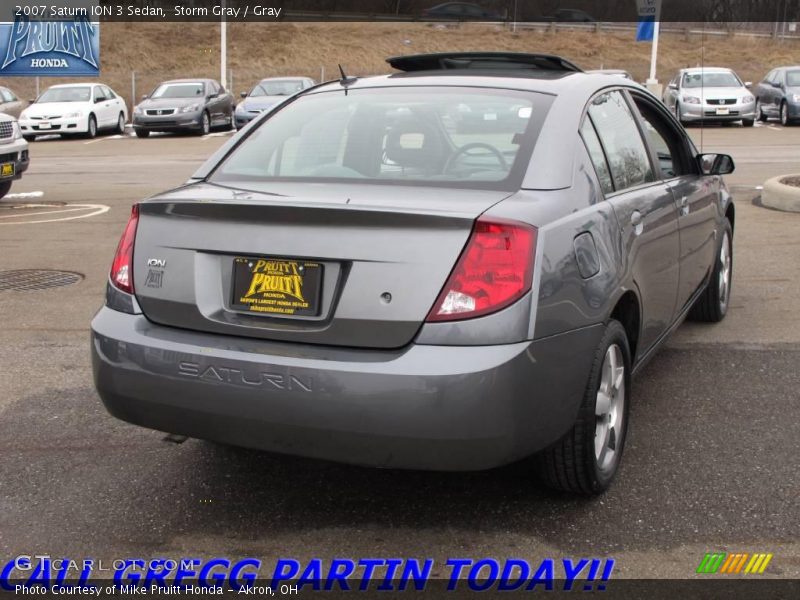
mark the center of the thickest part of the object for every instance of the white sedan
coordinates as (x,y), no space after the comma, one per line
(74,109)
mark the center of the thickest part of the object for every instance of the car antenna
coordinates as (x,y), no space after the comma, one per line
(345,80)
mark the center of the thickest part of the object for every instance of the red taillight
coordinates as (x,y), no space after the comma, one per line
(122,267)
(494,270)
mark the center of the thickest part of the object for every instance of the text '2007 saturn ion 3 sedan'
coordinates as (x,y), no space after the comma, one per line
(451,267)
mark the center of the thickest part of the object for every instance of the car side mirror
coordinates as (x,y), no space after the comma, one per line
(776,84)
(99,100)
(748,84)
(32,101)
(673,86)
(243,94)
(715,164)
(212,96)
(144,96)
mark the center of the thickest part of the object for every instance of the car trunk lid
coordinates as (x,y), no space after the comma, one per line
(380,254)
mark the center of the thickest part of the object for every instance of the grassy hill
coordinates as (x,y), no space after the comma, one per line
(159,51)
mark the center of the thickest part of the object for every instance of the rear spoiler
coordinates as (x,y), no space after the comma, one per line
(482,60)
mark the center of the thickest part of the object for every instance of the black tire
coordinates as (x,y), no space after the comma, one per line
(572,464)
(142,133)
(785,120)
(712,305)
(5,186)
(91,127)
(678,114)
(29,138)
(120,129)
(760,114)
(748,122)
(205,125)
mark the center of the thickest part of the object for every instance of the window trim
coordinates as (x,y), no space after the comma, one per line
(670,118)
(588,118)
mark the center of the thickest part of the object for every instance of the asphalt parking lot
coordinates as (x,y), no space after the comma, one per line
(711,462)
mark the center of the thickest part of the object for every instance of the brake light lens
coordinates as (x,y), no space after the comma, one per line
(122,267)
(495,269)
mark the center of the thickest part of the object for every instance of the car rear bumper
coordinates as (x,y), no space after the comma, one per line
(420,407)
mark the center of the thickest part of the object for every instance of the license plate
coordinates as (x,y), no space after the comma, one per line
(277,286)
(7,170)
(44,124)
(723,111)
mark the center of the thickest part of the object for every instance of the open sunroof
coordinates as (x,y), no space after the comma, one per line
(506,61)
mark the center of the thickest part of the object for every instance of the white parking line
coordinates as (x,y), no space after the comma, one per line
(24,195)
(96,209)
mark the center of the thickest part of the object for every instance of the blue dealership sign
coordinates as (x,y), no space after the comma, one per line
(50,48)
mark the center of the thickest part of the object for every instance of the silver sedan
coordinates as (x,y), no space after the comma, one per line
(710,94)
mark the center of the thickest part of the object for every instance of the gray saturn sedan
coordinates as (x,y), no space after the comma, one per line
(451,267)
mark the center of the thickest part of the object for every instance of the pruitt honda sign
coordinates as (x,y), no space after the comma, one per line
(50,48)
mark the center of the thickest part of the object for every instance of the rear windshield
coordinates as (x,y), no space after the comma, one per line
(696,80)
(467,137)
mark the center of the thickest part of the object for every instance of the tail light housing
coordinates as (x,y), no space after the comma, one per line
(122,267)
(495,269)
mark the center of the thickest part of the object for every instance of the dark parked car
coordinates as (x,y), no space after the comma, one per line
(778,95)
(196,105)
(266,94)
(364,275)
(10,103)
(461,11)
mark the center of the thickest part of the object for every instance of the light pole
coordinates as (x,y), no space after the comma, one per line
(223,48)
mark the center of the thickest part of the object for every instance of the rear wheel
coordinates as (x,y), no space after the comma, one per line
(586,459)
(712,305)
(5,186)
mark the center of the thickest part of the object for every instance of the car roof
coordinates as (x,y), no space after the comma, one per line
(195,80)
(67,85)
(707,70)
(287,78)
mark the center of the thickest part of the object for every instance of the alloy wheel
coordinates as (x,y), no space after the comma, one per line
(609,408)
(724,282)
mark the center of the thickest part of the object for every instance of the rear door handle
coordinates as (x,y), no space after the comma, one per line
(684,204)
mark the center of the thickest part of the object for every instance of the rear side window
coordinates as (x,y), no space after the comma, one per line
(461,137)
(624,148)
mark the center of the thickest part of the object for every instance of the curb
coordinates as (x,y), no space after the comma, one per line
(780,196)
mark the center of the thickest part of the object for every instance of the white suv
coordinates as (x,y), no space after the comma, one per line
(13,153)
